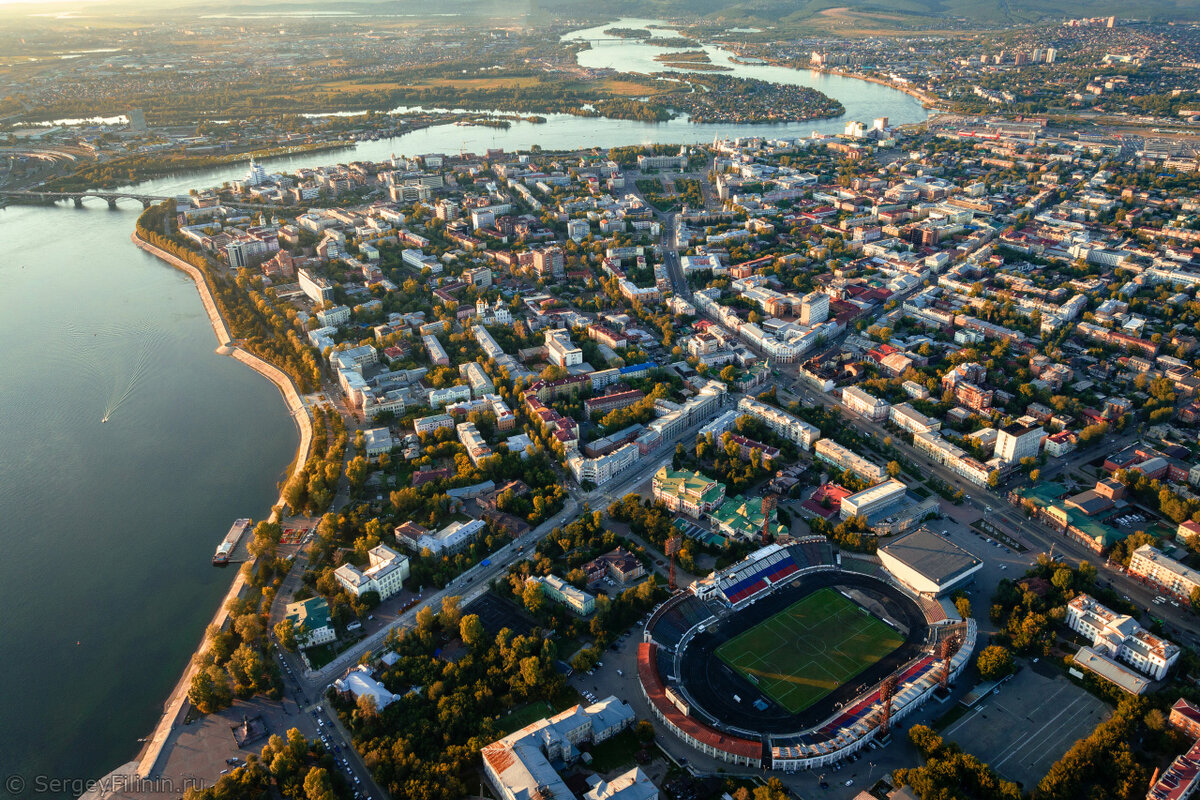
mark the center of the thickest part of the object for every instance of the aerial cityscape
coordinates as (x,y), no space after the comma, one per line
(680,399)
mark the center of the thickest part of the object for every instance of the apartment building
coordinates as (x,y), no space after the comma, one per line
(847,460)
(781,422)
(859,402)
(1155,567)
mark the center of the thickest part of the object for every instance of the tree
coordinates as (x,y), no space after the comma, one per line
(210,690)
(317,785)
(893,469)
(924,739)
(471,630)
(367,707)
(995,662)
(533,597)
(356,471)
(285,632)
(1194,598)
(963,604)
(451,613)
(1062,579)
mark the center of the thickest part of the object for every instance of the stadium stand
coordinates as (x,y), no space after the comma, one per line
(768,567)
(726,747)
(719,596)
(676,617)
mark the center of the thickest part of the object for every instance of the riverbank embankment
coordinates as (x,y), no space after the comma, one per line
(174,708)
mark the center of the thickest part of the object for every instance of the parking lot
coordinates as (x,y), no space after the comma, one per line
(1028,724)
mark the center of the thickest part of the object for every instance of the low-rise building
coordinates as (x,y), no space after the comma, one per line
(558,590)
(310,621)
(385,573)
(618,565)
(691,493)
(1120,637)
(859,402)
(520,766)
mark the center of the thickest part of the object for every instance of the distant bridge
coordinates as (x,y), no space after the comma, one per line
(46,198)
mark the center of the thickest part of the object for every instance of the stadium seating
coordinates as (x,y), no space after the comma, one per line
(676,617)
(759,575)
(863,706)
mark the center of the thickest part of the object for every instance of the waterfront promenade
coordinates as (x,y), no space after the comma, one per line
(173,709)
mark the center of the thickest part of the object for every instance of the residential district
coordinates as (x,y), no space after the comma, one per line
(623,406)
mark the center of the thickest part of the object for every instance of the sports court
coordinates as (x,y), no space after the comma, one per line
(809,649)
(1028,724)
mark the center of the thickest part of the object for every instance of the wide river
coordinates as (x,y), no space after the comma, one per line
(107,528)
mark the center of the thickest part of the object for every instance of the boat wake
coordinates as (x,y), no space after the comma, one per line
(122,390)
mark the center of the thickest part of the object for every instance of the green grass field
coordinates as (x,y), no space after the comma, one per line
(809,649)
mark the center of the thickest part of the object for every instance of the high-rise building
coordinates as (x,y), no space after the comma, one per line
(1015,442)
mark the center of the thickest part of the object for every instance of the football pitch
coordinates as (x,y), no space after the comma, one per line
(809,649)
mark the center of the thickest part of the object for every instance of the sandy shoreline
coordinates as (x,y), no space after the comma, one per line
(151,753)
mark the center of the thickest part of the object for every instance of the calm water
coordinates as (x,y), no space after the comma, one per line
(107,529)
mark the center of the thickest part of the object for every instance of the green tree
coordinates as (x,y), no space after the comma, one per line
(317,785)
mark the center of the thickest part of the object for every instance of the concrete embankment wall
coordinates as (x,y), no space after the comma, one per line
(173,709)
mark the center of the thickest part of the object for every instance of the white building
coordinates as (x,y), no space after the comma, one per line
(318,289)
(377,441)
(520,766)
(781,422)
(359,682)
(814,308)
(1120,637)
(472,439)
(338,315)
(385,573)
(561,350)
(866,502)
(859,402)
(603,469)
(1015,442)
(432,423)
(449,394)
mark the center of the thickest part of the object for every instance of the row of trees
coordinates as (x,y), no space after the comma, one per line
(236,661)
(950,774)
(313,488)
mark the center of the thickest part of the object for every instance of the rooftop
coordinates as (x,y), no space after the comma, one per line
(935,557)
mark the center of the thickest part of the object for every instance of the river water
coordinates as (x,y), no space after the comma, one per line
(106,529)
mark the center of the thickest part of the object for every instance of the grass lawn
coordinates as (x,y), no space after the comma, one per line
(809,649)
(524,715)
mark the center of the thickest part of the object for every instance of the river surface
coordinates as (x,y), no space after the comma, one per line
(106,529)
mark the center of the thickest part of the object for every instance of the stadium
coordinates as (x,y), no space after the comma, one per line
(780,660)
